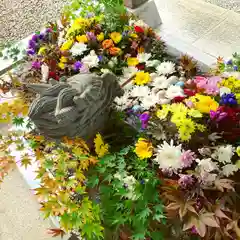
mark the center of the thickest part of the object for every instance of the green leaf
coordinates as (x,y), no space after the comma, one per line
(144,214)
(48,164)
(156,236)
(158,217)
(158,208)
(93,181)
(138,236)
(18,121)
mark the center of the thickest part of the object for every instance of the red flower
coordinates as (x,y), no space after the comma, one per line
(178,99)
(141,66)
(53,75)
(138,29)
(189,92)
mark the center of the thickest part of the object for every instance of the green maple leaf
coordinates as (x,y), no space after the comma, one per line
(138,236)
(65,221)
(93,181)
(18,121)
(144,214)
(158,208)
(25,161)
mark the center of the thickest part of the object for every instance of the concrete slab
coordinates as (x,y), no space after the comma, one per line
(224,39)
(189,20)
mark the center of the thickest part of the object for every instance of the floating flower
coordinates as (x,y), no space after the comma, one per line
(142,78)
(77,65)
(91,60)
(78,49)
(61,65)
(186,181)
(166,68)
(224,154)
(107,43)
(187,158)
(100,37)
(204,103)
(174,91)
(116,37)
(143,148)
(82,38)
(169,156)
(140,91)
(206,165)
(114,51)
(143,57)
(132,62)
(238,151)
(66,45)
(144,118)
(229,169)
(149,101)
(63,59)
(228,99)
(91,36)
(42,50)
(30,51)
(100,147)
(36,64)
(138,29)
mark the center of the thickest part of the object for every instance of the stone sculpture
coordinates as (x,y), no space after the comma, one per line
(79,106)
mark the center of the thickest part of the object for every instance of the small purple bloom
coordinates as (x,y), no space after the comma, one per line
(100,57)
(35,37)
(77,65)
(30,52)
(229,62)
(91,36)
(228,99)
(185,181)
(48,30)
(31,44)
(41,36)
(194,230)
(90,15)
(144,118)
(125,185)
(36,64)
(235,67)
(142,181)
(125,33)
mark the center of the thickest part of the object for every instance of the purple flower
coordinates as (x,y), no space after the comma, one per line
(144,118)
(41,36)
(35,37)
(30,51)
(235,67)
(31,44)
(125,185)
(36,64)
(229,62)
(77,65)
(90,15)
(142,182)
(125,33)
(91,36)
(218,115)
(187,158)
(100,57)
(185,181)
(48,30)
(194,230)
(228,99)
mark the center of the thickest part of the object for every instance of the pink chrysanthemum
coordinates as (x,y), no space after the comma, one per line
(187,158)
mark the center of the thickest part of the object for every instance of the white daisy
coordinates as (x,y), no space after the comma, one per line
(91,60)
(143,57)
(78,49)
(149,101)
(160,82)
(169,156)
(229,169)
(174,91)
(206,165)
(166,68)
(224,154)
(140,91)
(123,102)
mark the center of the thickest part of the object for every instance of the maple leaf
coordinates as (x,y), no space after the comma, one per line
(55,232)
(26,161)
(18,121)
(222,184)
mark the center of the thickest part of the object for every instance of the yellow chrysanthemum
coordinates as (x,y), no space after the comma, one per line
(61,65)
(116,37)
(142,78)
(132,62)
(180,108)
(66,45)
(162,114)
(184,134)
(194,113)
(63,59)
(204,104)
(177,118)
(100,37)
(200,127)
(238,151)
(143,148)
(42,50)
(100,147)
(188,125)
(82,38)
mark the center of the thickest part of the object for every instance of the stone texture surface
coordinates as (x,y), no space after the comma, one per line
(19,212)
(19,18)
(229,4)
(133,3)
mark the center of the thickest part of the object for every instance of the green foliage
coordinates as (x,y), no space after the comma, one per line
(128,194)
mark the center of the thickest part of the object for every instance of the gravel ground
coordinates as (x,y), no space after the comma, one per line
(19,18)
(228,4)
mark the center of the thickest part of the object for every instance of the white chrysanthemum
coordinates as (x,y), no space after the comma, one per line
(149,101)
(229,169)
(140,91)
(91,60)
(173,80)
(152,63)
(166,68)
(129,71)
(160,82)
(126,87)
(169,156)
(208,178)
(174,91)
(206,165)
(224,153)
(123,102)
(143,57)
(78,49)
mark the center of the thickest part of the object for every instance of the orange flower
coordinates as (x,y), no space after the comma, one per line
(114,51)
(107,43)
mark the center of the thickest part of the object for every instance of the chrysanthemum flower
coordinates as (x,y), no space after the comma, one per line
(142,78)
(143,148)
(132,62)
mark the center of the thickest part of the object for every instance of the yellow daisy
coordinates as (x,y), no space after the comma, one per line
(143,148)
